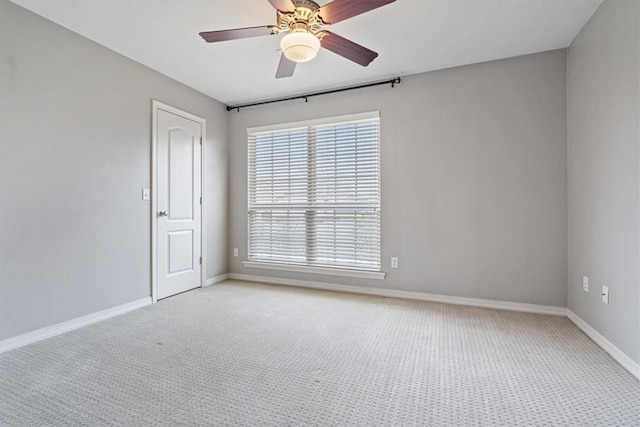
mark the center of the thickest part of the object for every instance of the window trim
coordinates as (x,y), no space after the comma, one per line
(301,268)
(330,271)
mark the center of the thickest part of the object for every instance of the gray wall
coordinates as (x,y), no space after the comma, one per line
(74,156)
(604,172)
(473,179)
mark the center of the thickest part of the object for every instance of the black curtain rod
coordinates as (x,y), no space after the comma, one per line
(391,82)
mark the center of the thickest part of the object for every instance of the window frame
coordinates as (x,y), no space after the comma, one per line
(309,268)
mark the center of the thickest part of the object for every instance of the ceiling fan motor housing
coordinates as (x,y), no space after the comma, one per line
(304,18)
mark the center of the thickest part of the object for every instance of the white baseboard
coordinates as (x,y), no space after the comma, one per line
(474,302)
(70,325)
(606,345)
(216,279)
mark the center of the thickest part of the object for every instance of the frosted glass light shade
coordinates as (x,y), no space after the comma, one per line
(300,46)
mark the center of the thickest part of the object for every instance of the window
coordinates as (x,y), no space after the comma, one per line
(314,193)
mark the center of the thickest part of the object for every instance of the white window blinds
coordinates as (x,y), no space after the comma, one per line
(314,193)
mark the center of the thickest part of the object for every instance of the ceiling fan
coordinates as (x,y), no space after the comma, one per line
(303,22)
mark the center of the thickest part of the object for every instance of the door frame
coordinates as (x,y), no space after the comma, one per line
(155,107)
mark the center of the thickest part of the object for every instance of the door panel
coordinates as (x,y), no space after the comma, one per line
(178,201)
(181,185)
(180,252)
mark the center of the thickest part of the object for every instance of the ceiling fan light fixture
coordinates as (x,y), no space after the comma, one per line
(300,46)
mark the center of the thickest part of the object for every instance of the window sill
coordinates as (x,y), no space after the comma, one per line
(378,275)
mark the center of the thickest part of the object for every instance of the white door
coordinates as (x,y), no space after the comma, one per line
(178,203)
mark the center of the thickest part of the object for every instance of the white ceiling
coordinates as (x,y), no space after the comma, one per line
(411,36)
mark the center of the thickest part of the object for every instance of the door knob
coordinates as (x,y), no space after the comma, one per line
(163,213)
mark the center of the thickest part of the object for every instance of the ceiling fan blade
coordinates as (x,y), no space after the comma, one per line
(350,50)
(286,68)
(238,33)
(283,5)
(339,10)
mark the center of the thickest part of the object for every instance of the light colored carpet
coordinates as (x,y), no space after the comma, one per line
(249,354)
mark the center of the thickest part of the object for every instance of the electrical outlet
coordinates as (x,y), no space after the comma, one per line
(585,283)
(235,251)
(605,294)
(394,262)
